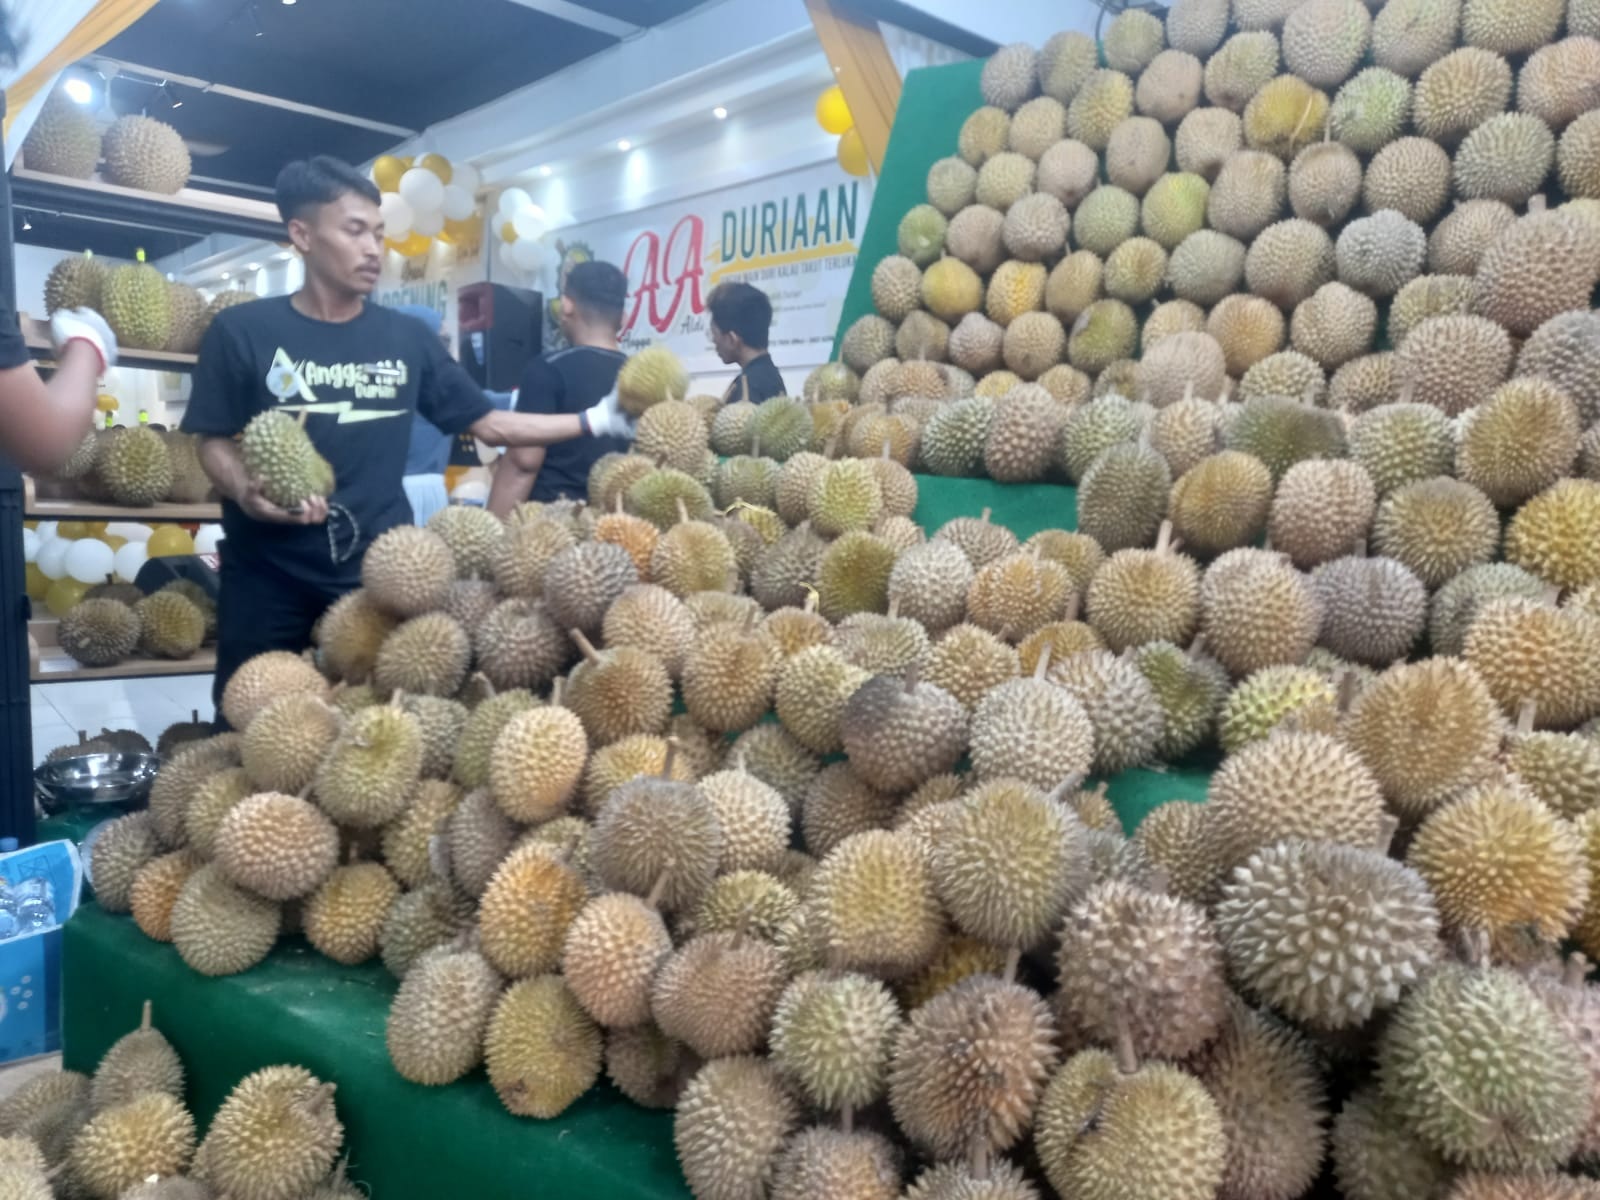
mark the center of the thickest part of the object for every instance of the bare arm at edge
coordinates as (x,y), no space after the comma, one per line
(41,423)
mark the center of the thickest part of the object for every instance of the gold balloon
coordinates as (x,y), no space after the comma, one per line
(414,245)
(63,595)
(36,583)
(833,114)
(438,164)
(169,541)
(115,542)
(105,403)
(853,153)
(73,530)
(508,233)
(386,173)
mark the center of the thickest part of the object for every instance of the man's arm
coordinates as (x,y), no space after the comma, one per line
(224,466)
(514,476)
(43,423)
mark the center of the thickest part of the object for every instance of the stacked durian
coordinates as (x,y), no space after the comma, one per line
(116,621)
(125,1133)
(140,152)
(1314,203)
(898,933)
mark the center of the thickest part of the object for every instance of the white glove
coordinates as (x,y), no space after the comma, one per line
(84,325)
(607,419)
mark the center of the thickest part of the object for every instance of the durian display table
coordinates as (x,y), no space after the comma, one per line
(54,508)
(405,1142)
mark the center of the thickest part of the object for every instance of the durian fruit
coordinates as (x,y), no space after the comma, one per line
(1074,284)
(119,852)
(1174,207)
(1068,170)
(523,556)
(1459,92)
(1122,498)
(647,1067)
(1288,261)
(1105,218)
(1458,242)
(1454,362)
(728,677)
(99,633)
(1100,1116)
(1481,1071)
(1546,263)
(872,906)
(1508,29)
(1499,861)
(1016,288)
(1205,139)
(1411,176)
(1305,785)
(537,762)
(1120,704)
(155,890)
(1528,651)
(1376,1156)
(656,836)
(542,1051)
(1035,228)
(1403,444)
(1103,100)
(1244,64)
(1334,325)
(582,582)
(1578,157)
(277,846)
(277,450)
(63,140)
(1204,268)
(1137,154)
(1132,41)
(220,929)
(1022,434)
(1371,110)
(1428,296)
(1566,351)
(1563,770)
(1284,116)
(1415,34)
(408,571)
(716,994)
(135,467)
(1327,934)
(1142,596)
(75,282)
(649,377)
(1324,40)
(1551,534)
(1269,697)
(429,655)
(1248,328)
(1322,509)
(1505,158)
(853,575)
(1373,609)
(969,1067)
(147,155)
(901,732)
(1018,594)
(138,1062)
(1222,502)
(1094,428)
(1438,528)
(438,1018)
(1381,253)
(613,947)
(526,910)
(170,625)
(1189,687)
(418,922)
(369,772)
(732,1122)
(49,1109)
(984,134)
(344,918)
(1169,86)
(152,1134)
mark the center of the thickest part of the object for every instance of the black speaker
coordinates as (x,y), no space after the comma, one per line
(502,331)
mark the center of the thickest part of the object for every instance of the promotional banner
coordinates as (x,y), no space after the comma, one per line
(794,236)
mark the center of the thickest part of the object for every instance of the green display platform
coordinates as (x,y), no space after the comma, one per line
(1023,508)
(405,1142)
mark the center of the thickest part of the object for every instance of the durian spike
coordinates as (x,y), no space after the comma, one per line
(1042,667)
(1127,1052)
(1164,538)
(1013,961)
(585,647)
(1527,714)
(1576,970)
(1388,826)
(670,759)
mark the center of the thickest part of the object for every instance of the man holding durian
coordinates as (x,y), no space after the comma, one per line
(351,375)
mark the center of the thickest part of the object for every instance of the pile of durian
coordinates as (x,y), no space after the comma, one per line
(145,309)
(1252,223)
(139,152)
(898,937)
(116,621)
(125,1133)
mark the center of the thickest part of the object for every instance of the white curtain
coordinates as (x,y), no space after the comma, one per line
(38,26)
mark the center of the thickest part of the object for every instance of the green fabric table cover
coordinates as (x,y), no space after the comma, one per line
(405,1142)
(1023,508)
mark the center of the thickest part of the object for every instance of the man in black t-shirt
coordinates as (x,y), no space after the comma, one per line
(567,381)
(359,372)
(741,322)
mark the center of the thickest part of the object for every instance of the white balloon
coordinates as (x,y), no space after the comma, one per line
(129,559)
(527,255)
(90,560)
(422,189)
(529,222)
(48,530)
(428,224)
(398,215)
(506,258)
(458,202)
(52,559)
(513,199)
(31,542)
(207,538)
(465,176)
(129,531)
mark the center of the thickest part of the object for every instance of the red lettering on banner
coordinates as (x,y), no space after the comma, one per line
(685,249)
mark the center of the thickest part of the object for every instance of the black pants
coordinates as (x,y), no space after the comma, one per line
(263,608)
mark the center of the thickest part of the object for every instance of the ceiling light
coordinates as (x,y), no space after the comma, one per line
(170,94)
(226,275)
(253,267)
(545,172)
(720,113)
(288,1)
(624,145)
(79,90)
(26,224)
(255,22)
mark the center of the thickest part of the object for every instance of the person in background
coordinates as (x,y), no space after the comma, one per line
(359,373)
(741,322)
(568,381)
(428,455)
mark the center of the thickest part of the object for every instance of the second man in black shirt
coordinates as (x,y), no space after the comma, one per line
(741,321)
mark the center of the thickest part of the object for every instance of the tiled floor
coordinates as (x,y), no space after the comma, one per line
(60,710)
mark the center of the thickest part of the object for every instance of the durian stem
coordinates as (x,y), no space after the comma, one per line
(913,677)
(144,1016)
(1164,538)
(755,447)
(1197,647)
(1388,826)
(1474,946)
(813,598)
(847,1118)
(585,647)
(658,889)
(1527,714)
(1536,204)
(397,698)
(1042,667)
(1346,684)
(1069,784)
(683,511)
(1188,389)
(1551,596)
(886,448)
(1074,603)
(671,758)
(1013,961)
(983,517)
(978,1157)
(1127,1052)
(353,855)
(1576,970)
(555,691)
(305,414)
(894,610)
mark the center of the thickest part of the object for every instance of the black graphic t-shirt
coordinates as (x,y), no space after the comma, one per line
(569,381)
(360,382)
(763,379)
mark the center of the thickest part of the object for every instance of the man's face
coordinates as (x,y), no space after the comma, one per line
(342,243)
(725,344)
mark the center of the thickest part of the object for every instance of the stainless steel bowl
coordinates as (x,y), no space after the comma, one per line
(87,780)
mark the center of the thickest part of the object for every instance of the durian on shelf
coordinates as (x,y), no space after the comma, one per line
(897,941)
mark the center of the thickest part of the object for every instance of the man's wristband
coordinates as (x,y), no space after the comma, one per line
(92,344)
(583,423)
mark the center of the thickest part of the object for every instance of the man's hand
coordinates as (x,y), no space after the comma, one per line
(84,325)
(607,419)
(313,510)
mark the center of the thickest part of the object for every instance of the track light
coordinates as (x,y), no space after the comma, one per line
(26,224)
(170,94)
(255,21)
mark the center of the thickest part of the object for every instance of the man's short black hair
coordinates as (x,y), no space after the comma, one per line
(313,182)
(742,309)
(598,287)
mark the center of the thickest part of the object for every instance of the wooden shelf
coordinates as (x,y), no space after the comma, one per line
(188,212)
(37,335)
(49,663)
(45,509)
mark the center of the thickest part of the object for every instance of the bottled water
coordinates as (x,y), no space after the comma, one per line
(25,907)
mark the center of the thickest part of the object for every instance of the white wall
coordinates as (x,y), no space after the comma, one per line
(1003,21)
